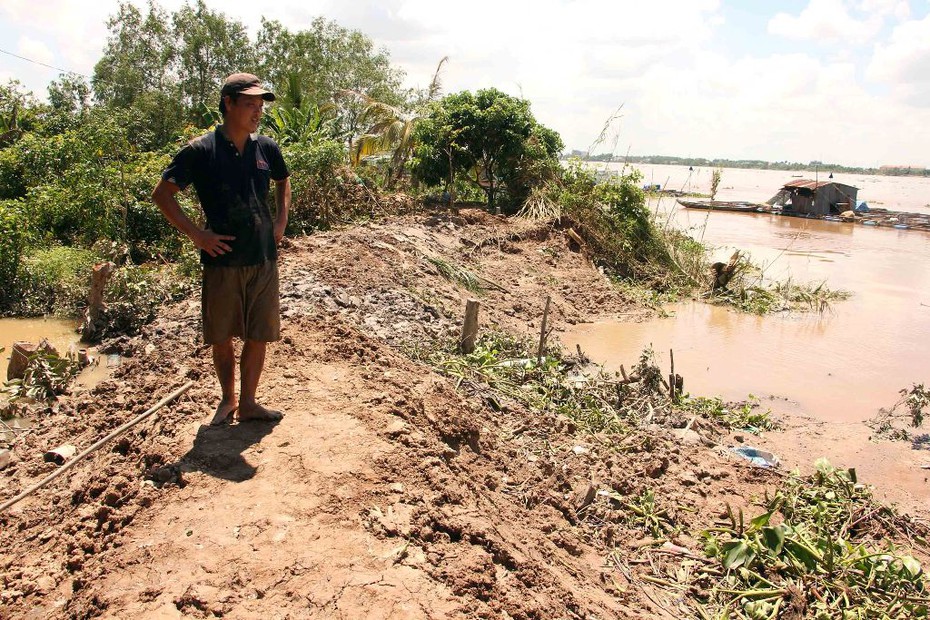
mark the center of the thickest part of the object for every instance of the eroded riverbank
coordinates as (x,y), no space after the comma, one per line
(385,488)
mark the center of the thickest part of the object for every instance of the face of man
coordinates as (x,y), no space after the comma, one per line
(245,113)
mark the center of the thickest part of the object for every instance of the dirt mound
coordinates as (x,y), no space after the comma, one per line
(384,492)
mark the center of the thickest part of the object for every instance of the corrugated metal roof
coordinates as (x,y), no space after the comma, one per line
(807,184)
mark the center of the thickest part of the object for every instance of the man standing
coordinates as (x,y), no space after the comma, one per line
(231,169)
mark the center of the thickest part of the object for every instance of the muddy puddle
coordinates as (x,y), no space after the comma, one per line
(842,365)
(61,333)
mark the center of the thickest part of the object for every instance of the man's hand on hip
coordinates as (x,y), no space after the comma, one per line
(212,243)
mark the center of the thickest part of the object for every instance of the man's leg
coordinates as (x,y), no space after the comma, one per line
(224,363)
(250,371)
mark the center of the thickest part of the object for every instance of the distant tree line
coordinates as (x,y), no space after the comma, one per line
(756,164)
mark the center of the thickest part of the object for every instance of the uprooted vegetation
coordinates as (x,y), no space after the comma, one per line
(907,413)
(822,548)
(741,283)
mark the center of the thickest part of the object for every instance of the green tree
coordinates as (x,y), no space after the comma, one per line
(392,128)
(69,101)
(210,46)
(489,135)
(19,112)
(328,59)
(69,94)
(137,71)
(138,56)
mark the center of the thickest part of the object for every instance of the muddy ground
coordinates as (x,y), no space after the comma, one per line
(384,492)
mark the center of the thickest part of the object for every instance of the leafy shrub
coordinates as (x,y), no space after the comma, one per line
(12,182)
(56,281)
(135,292)
(816,552)
(14,240)
(89,183)
(611,214)
(314,179)
(46,376)
(326,191)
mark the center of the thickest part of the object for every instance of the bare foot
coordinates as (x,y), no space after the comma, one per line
(224,413)
(258,413)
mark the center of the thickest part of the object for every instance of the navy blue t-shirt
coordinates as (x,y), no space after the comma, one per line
(233,190)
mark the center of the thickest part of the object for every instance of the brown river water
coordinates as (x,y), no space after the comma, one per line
(59,332)
(842,365)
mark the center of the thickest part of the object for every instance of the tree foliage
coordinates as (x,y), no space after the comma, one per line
(392,128)
(327,59)
(210,46)
(489,136)
(138,56)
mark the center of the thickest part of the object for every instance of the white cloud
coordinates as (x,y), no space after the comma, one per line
(903,62)
(577,60)
(900,9)
(34,49)
(792,106)
(828,21)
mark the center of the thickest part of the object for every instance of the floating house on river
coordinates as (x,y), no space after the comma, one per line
(807,197)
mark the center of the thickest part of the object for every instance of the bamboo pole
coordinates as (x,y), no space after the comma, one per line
(122,429)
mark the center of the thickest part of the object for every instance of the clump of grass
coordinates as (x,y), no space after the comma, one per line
(456,274)
(609,211)
(507,367)
(644,513)
(746,415)
(540,205)
(56,280)
(811,555)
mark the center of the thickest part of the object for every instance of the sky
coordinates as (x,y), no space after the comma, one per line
(840,81)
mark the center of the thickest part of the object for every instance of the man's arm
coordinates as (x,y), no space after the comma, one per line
(208,241)
(282,199)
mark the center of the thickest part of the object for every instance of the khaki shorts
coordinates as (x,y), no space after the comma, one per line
(241,302)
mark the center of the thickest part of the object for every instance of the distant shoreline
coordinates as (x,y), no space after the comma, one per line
(752,164)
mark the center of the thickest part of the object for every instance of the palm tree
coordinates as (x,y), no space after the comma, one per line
(296,120)
(392,128)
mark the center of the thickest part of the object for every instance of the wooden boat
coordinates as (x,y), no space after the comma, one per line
(724,205)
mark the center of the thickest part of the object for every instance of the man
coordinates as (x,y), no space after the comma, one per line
(231,169)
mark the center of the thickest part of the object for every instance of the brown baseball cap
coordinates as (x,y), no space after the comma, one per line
(245,84)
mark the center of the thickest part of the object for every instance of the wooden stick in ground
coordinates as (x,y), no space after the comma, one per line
(671,377)
(122,429)
(542,331)
(470,327)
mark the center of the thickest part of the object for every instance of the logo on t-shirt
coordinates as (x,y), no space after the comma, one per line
(261,164)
